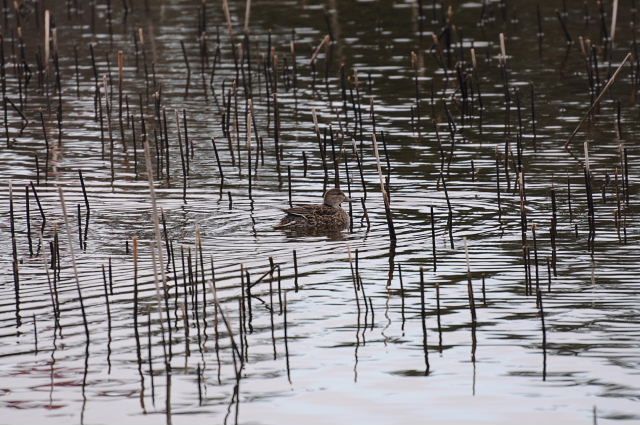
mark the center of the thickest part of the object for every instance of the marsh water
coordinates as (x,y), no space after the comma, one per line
(336,335)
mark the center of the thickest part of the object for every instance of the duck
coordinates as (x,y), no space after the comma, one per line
(327,216)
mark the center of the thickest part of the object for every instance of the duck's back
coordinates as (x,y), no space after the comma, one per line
(314,216)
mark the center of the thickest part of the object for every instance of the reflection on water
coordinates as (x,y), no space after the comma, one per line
(231,320)
(302,235)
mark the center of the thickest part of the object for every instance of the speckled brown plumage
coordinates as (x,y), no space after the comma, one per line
(328,216)
(315,216)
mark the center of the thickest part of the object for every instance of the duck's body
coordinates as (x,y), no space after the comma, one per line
(328,216)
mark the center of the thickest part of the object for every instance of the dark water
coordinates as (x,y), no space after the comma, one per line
(340,362)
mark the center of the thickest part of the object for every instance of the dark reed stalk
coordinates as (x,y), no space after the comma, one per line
(359,162)
(618,211)
(215,150)
(295,270)
(28,220)
(14,253)
(247,284)
(79,213)
(249,148)
(498,187)
(569,199)
(199,254)
(373,317)
(348,180)
(276,132)
(83,243)
(364,295)
(242,314)
(46,142)
(321,149)
(279,278)
(108,306)
(286,337)
(304,164)
(271,322)
(365,214)
(553,232)
(618,125)
(52,248)
(186,63)
(567,36)
(402,294)
(626,175)
(182,160)
(3,81)
(472,303)
(164,139)
(185,307)
(544,333)
(336,169)
(535,256)
(121,98)
(53,291)
(588,182)
(107,103)
(199,378)
(357,267)
(212,286)
(484,292)
(288,185)
(450,210)
(438,317)
(35,334)
(526,254)
(433,239)
(423,320)
(473,172)
(44,218)
(188,144)
(150,357)
(136,309)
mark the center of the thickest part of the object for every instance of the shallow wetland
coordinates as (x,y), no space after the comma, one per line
(489,274)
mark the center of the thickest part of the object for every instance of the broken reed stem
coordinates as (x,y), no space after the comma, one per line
(158,239)
(597,101)
(316,52)
(73,262)
(385,195)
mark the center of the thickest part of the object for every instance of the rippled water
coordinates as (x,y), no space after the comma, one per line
(330,359)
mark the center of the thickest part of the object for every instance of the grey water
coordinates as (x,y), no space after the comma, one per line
(341,354)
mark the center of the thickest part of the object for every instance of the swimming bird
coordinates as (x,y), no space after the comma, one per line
(328,216)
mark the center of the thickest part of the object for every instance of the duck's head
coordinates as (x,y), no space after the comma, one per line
(334,197)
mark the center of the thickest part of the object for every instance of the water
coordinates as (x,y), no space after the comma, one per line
(335,365)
